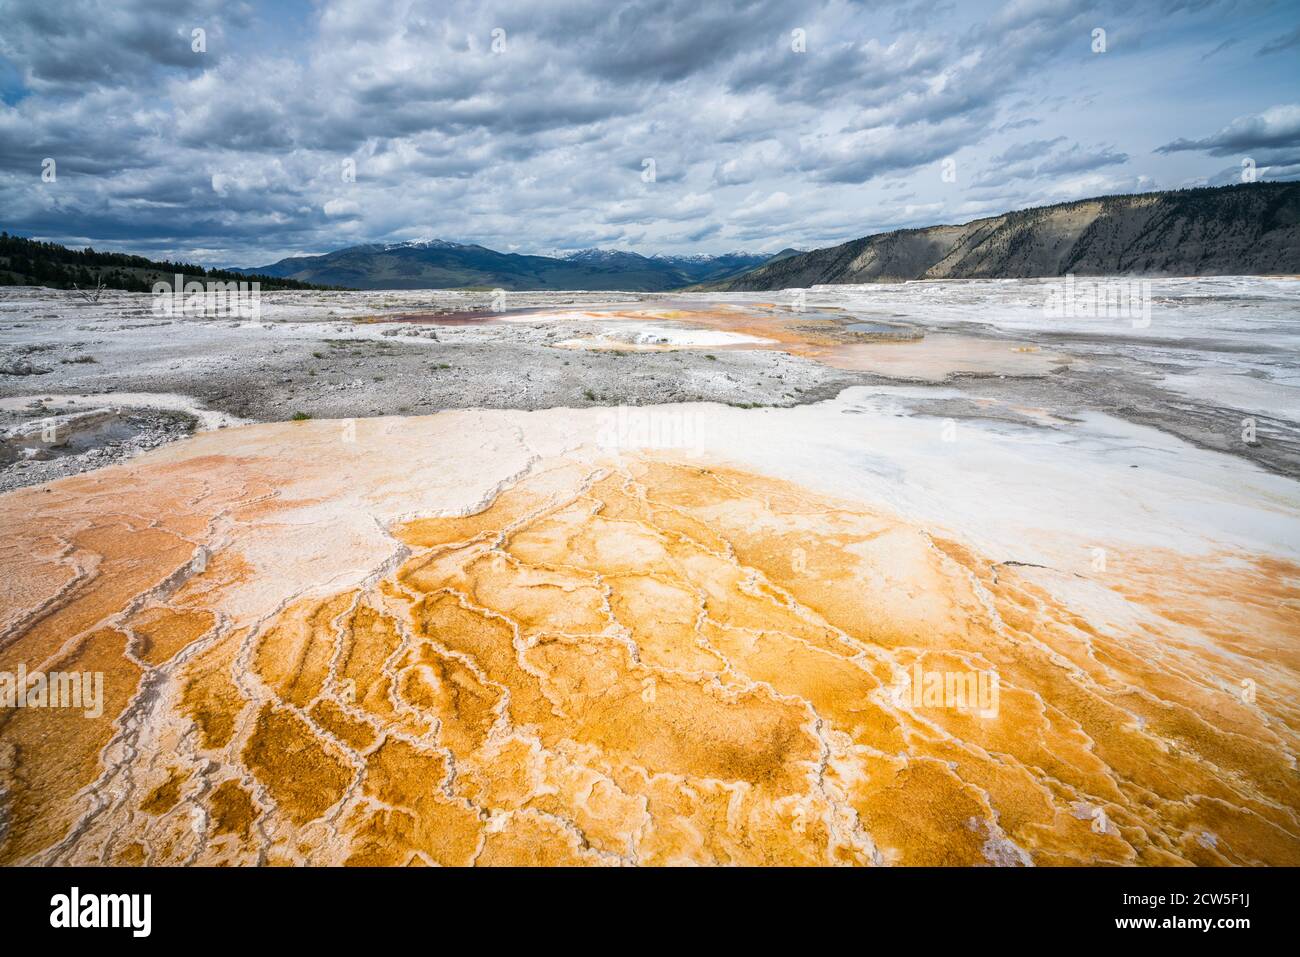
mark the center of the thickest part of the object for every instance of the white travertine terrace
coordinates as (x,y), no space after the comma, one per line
(491,637)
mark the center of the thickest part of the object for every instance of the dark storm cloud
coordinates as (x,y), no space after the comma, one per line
(109,42)
(865,154)
(1078,160)
(1278,126)
(1025,151)
(662,41)
(94,134)
(1037,159)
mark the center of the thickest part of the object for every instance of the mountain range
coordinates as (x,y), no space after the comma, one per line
(1250,228)
(439,264)
(1247,229)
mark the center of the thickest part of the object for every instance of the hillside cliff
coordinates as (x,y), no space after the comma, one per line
(1250,229)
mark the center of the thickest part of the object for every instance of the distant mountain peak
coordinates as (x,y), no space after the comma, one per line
(425,242)
(597,255)
(433,263)
(709,257)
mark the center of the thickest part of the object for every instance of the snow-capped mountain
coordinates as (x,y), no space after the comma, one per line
(433,263)
(425,243)
(699,267)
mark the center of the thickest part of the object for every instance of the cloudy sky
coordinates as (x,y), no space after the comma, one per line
(535,126)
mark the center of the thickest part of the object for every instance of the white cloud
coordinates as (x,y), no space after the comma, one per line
(342,209)
(238,152)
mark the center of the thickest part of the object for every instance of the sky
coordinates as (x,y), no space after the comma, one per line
(237,133)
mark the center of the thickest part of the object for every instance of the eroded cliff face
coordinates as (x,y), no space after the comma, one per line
(428,645)
(1249,230)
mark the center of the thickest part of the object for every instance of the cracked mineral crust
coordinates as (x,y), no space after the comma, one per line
(473,639)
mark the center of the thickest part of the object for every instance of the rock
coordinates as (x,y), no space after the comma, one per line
(54,431)
(20,367)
